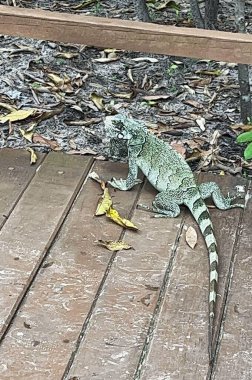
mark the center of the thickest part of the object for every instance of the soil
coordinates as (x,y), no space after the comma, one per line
(192,103)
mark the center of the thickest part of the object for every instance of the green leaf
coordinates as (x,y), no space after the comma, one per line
(248,152)
(244,137)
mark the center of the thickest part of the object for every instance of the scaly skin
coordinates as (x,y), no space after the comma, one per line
(172,177)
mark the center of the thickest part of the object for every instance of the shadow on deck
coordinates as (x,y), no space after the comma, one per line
(70,309)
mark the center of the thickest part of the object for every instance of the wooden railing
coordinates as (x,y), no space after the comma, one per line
(126,35)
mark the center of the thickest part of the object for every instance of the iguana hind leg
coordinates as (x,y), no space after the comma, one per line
(211,189)
(165,205)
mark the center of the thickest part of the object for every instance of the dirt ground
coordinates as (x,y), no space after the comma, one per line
(192,103)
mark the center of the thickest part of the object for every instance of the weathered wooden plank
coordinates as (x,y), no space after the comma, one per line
(128,35)
(33,225)
(235,351)
(178,348)
(114,339)
(15,175)
(45,331)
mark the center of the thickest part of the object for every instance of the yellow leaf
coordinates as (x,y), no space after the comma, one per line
(114,245)
(7,106)
(123,95)
(191,237)
(114,215)
(56,79)
(26,134)
(67,55)
(17,115)
(97,100)
(105,202)
(34,157)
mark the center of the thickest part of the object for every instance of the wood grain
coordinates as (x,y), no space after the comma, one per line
(32,227)
(56,311)
(127,35)
(15,175)
(235,344)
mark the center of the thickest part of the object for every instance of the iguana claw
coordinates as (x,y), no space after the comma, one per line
(122,184)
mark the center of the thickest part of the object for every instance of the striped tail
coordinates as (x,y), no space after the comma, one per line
(201,214)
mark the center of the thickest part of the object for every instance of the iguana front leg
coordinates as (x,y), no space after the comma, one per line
(166,204)
(130,181)
(211,189)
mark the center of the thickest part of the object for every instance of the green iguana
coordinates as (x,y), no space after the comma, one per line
(172,177)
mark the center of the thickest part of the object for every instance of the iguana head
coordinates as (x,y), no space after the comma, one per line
(121,127)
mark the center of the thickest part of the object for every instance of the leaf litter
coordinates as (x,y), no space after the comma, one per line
(185,98)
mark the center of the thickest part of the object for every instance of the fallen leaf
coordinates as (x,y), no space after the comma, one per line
(243,127)
(95,177)
(201,123)
(114,245)
(38,139)
(18,115)
(8,107)
(123,95)
(104,203)
(67,55)
(26,134)
(209,72)
(34,157)
(97,100)
(179,147)
(106,59)
(56,79)
(148,59)
(191,237)
(114,215)
(82,152)
(156,97)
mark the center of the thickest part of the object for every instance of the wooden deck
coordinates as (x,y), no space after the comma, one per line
(70,309)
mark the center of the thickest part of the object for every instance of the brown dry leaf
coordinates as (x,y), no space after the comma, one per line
(191,237)
(18,115)
(202,82)
(179,147)
(193,103)
(114,245)
(243,127)
(104,203)
(26,134)
(38,139)
(97,100)
(215,73)
(34,157)
(114,215)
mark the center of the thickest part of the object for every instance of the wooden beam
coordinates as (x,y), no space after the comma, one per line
(127,35)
